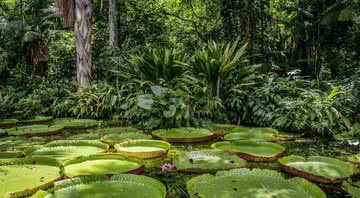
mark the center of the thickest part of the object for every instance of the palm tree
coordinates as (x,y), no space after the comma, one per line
(77,14)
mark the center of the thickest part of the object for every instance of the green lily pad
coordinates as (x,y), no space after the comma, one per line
(19,143)
(267,137)
(2,132)
(36,130)
(77,123)
(207,161)
(255,183)
(184,135)
(97,186)
(8,122)
(24,177)
(36,120)
(355,159)
(67,149)
(113,139)
(255,130)
(318,168)
(115,130)
(105,164)
(85,136)
(143,148)
(252,150)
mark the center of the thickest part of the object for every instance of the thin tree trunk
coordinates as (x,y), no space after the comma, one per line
(218,81)
(113,26)
(83,12)
(210,89)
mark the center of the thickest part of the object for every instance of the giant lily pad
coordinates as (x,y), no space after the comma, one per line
(255,183)
(355,159)
(105,164)
(67,149)
(255,130)
(19,143)
(97,186)
(8,122)
(267,137)
(23,177)
(113,139)
(36,130)
(77,123)
(317,168)
(115,130)
(36,120)
(252,150)
(143,148)
(207,161)
(185,135)
(85,136)
(2,132)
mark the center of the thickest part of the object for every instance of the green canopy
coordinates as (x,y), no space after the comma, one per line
(252,184)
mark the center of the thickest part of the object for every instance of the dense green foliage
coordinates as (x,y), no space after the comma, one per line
(292,65)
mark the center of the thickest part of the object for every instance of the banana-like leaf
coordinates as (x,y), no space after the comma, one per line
(184,135)
(266,137)
(8,122)
(252,150)
(97,186)
(102,164)
(318,168)
(143,148)
(67,149)
(23,177)
(113,139)
(207,161)
(37,120)
(353,188)
(69,123)
(251,183)
(36,130)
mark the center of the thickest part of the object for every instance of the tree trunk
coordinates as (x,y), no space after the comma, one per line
(113,26)
(225,12)
(83,12)
(218,81)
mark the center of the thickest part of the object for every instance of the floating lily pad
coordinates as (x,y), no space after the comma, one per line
(36,120)
(67,149)
(115,130)
(8,122)
(267,137)
(36,130)
(2,132)
(143,148)
(24,177)
(184,135)
(318,168)
(113,139)
(255,183)
(353,188)
(355,159)
(102,164)
(77,123)
(252,150)
(207,161)
(97,186)
(19,143)
(255,130)
(85,136)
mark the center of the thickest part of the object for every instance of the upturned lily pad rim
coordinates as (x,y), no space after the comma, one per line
(254,129)
(286,161)
(113,139)
(252,156)
(36,120)
(47,161)
(146,154)
(105,156)
(122,179)
(204,135)
(180,166)
(266,137)
(35,130)
(308,187)
(8,122)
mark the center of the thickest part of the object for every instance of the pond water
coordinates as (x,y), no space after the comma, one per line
(175,181)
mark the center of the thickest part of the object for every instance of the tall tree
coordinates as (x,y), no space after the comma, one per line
(113,25)
(77,14)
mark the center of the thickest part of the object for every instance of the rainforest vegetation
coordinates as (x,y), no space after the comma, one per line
(93,89)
